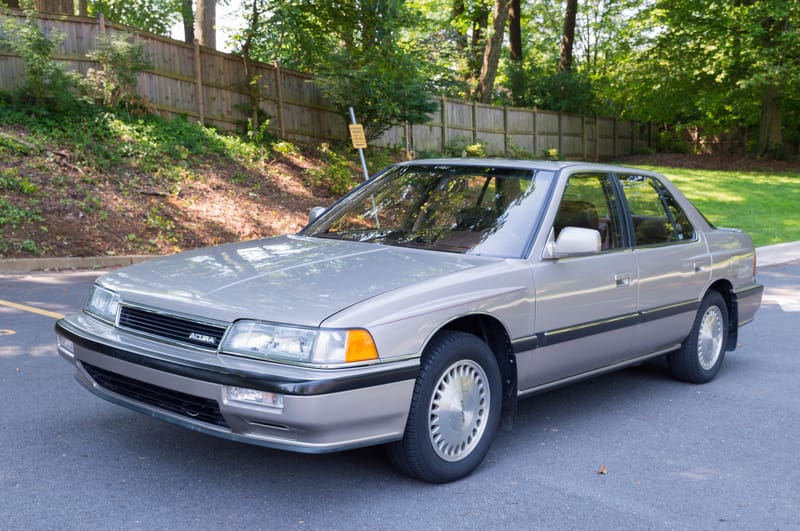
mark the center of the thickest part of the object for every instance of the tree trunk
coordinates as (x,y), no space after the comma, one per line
(187,16)
(491,53)
(770,138)
(480,26)
(252,82)
(205,19)
(516,74)
(568,37)
(515,31)
(456,12)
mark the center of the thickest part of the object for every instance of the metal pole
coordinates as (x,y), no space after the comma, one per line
(360,151)
(366,173)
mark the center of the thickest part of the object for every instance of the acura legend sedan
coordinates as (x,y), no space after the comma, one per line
(416,311)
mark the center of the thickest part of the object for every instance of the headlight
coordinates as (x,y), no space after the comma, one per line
(264,340)
(103,304)
(259,340)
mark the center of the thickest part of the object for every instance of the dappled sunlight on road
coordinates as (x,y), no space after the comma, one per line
(787,297)
(39,351)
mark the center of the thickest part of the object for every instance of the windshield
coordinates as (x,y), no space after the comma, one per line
(460,209)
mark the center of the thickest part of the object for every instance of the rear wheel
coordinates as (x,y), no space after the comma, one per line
(701,354)
(455,410)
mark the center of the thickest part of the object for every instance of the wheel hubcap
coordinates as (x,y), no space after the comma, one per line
(709,338)
(458,410)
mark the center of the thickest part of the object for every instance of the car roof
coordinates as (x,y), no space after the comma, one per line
(548,165)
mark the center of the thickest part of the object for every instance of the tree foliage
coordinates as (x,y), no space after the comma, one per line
(356,51)
(723,66)
(155,16)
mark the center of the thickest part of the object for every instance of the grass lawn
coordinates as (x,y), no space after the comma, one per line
(765,204)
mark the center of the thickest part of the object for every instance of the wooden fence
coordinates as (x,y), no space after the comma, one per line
(210,87)
(508,130)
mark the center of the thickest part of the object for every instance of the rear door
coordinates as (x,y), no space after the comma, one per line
(673,264)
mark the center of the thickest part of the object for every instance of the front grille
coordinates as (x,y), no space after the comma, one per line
(194,407)
(171,327)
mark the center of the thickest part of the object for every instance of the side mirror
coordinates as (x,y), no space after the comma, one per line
(315,212)
(573,241)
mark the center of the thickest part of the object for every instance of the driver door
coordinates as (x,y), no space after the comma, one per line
(585,305)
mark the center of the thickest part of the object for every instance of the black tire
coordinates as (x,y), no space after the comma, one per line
(701,354)
(441,443)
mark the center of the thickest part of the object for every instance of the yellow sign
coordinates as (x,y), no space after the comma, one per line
(357,136)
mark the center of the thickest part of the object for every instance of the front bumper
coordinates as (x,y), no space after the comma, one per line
(322,410)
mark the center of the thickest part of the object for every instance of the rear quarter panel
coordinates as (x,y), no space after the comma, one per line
(733,259)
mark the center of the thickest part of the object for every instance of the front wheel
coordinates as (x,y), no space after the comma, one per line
(701,354)
(455,410)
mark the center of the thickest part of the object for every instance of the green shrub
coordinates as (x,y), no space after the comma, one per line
(337,175)
(10,180)
(550,154)
(14,216)
(674,140)
(46,83)
(462,146)
(515,151)
(382,84)
(121,59)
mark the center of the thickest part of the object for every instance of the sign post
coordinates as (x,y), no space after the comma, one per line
(359,140)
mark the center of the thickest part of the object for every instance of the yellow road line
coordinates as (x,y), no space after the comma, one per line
(31,309)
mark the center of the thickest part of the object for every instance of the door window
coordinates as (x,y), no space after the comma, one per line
(589,202)
(657,218)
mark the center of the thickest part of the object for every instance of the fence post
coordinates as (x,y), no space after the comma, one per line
(583,137)
(279,94)
(101,24)
(444,123)
(596,138)
(409,134)
(505,130)
(198,76)
(535,131)
(474,121)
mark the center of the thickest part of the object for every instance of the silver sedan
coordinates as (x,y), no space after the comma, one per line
(417,310)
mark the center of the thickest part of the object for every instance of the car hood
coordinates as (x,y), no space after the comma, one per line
(288,279)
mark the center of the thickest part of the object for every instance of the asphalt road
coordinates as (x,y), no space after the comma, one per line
(717,456)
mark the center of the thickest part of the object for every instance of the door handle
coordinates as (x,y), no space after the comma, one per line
(622,279)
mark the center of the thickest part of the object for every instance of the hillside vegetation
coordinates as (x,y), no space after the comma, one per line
(95,183)
(99,183)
